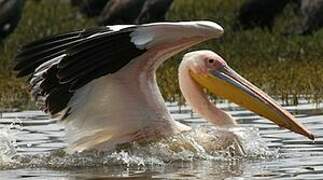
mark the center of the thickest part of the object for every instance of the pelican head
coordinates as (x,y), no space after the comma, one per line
(206,69)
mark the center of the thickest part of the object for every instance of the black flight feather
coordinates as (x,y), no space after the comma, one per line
(61,64)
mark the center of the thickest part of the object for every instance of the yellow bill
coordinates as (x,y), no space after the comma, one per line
(228,84)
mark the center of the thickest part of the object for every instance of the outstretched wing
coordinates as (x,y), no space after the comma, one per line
(61,64)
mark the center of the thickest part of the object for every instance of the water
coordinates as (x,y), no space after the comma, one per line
(31,148)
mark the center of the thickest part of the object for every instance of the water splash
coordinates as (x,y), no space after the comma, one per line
(203,143)
(8,143)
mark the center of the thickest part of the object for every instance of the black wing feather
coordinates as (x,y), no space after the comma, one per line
(61,64)
(34,54)
(93,59)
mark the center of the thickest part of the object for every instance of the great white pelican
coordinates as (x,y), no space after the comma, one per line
(101,82)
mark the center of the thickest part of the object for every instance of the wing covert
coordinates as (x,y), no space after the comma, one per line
(61,64)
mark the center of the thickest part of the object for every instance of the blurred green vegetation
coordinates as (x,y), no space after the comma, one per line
(288,67)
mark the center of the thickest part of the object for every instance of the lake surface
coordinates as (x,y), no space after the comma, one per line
(31,148)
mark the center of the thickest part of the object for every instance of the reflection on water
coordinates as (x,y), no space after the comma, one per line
(31,148)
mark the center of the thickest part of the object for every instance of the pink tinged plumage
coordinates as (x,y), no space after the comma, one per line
(194,93)
(127,105)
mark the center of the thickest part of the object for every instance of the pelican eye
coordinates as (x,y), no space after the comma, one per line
(211,61)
